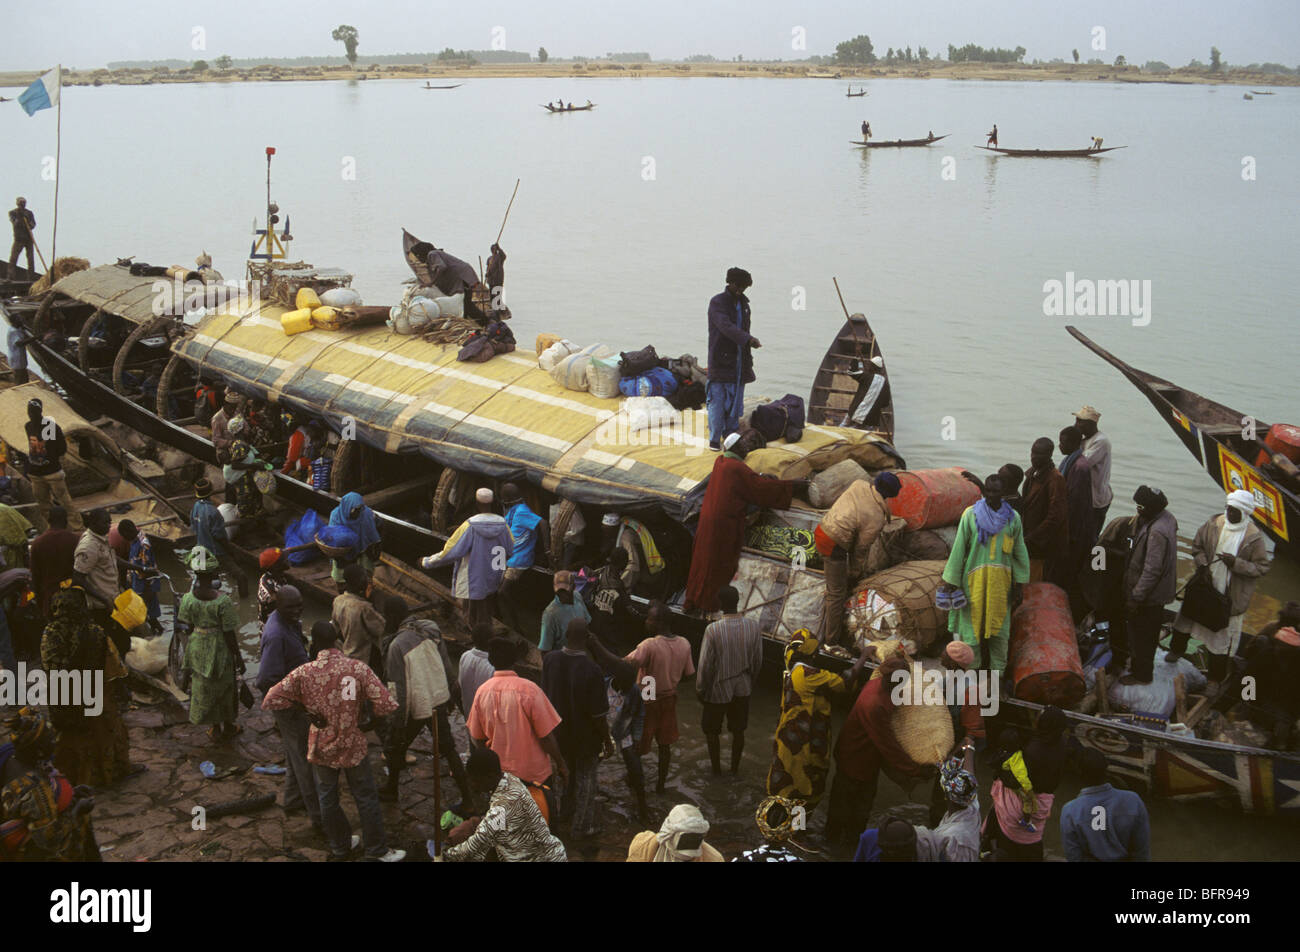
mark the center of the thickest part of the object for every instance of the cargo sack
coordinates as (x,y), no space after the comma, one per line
(603,377)
(303,532)
(656,382)
(340,298)
(832,482)
(554,353)
(898,603)
(781,419)
(571,372)
(546,340)
(501,336)
(787,543)
(687,367)
(478,349)
(689,396)
(638,362)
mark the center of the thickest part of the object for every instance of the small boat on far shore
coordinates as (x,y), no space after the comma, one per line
(1258,92)
(852,95)
(549,108)
(898,143)
(1051,153)
(453,86)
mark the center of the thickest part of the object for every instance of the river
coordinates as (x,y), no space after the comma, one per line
(628,216)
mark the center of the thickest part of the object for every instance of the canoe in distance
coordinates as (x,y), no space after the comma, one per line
(1051,153)
(898,143)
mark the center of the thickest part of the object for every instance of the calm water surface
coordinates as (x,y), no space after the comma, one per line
(628,216)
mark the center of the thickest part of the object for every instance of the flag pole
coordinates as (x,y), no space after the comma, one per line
(58,148)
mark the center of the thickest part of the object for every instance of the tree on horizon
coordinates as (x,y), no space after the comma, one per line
(1215,59)
(348,36)
(542,55)
(855,52)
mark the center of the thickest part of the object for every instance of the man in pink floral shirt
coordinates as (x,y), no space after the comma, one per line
(332,690)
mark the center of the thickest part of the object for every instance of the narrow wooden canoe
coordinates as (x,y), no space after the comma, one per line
(1052,153)
(1213,434)
(455,86)
(569,108)
(897,143)
(851,387)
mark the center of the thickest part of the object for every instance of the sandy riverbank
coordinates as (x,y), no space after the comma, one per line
(1013,72)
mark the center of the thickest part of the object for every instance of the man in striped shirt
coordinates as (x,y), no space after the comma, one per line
(731,656)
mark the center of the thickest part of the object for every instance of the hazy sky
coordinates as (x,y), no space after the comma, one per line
(90,33)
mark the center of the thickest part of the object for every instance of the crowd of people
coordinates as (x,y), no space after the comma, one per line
(610,679)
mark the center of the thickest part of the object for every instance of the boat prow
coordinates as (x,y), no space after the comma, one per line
(1217,437)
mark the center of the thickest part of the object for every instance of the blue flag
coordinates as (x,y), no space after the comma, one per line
(41,94)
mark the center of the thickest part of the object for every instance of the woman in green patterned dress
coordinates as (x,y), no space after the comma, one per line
(212,659)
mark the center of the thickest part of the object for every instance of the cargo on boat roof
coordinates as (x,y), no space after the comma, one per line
(505,418)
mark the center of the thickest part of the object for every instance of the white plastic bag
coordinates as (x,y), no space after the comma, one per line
(453,305)
(341,297)
(646,412)
(603,377)
(555,353)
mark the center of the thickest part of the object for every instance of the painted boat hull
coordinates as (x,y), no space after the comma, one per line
(1212,433)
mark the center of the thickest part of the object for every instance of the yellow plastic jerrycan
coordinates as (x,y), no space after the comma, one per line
(295,322)
(129,610)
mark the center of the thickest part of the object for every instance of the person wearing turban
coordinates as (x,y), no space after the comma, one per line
(680,840)
(1230,549)
(850,527)
(731,361)
(801,748)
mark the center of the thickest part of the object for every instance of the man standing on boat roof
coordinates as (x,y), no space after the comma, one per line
(495,276)
(24,223)
(731,361)
(1096,447)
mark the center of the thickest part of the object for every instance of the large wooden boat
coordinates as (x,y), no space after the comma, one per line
(898,143)
(439,429)
(1213,434)
(1052,153)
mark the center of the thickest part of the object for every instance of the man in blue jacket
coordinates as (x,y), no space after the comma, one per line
(1103,824)
(731,363)
(482,547)
(283,648)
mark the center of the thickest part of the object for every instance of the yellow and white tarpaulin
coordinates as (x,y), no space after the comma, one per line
(502,418)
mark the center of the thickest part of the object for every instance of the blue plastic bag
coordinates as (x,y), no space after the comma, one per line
(655,382)
(303,532)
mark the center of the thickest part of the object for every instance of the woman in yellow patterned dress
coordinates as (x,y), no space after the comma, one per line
(802,746)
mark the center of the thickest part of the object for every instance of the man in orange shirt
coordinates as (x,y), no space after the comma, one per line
(513,717)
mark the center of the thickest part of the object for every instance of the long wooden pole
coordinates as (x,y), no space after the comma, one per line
(58,150)
(437,789)
(841,296)
(508,207)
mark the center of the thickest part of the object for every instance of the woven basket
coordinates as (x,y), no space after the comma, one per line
(332,551)
(899,603)
(924,731)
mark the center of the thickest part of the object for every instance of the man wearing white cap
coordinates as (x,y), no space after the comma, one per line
(1096,449)
(1231,549)
(481,547)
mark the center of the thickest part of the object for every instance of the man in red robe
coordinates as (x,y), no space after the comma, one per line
(715,555)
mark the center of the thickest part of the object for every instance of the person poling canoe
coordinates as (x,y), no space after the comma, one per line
(866,131)
(993,137)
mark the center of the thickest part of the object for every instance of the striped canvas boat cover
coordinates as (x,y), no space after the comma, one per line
(505,418)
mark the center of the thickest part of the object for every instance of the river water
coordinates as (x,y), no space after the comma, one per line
(628,216)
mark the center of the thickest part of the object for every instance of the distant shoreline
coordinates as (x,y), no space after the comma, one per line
(997,72)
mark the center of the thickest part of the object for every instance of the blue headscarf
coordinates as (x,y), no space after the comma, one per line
(363,524)
(990,523)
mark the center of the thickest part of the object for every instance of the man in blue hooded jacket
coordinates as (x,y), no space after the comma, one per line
(482,548)
(731,361)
